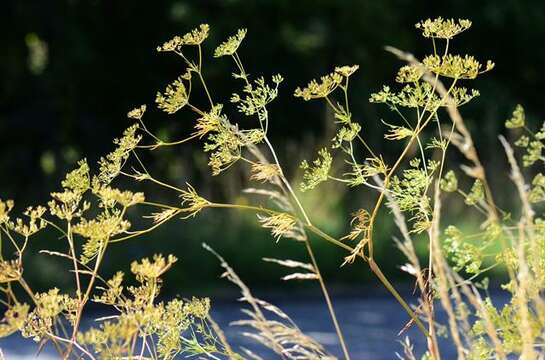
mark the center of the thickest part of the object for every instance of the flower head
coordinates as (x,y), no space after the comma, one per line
(409,74)
(174,98)
(456,66)
(5,208)
(230,46)
(518,119)
(443,28)
(194,37)
(317,172)
(320,89)
(346,70)
(137,113)
(152,269)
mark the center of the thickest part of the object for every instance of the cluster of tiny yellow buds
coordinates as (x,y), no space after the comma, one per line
(461,95)
(317,172)
(346,70)
(103,227)
(99,230)
(230,46)
(209,121)
(411,96)
(258,95)
(35,224)
(317,90)
(152,269)
(137,113)
(110,196)
(194,37)
(449,183)
(199,308)
(277,79)
(281,225)
(65,205)
(476,193)
(346,133)
(264,172)
(52,303)
(113,291)
(252,136)
(225,145)
(443,28)
(456,66)
(13,319)
(534,153)
(39,323)
(5,208)
(78,180)
(174,98)
(382,96)
(409,74)
(523,141)
(194,201)
(518,119)
(9,271)
(537,194)
(110,166)
(35,212)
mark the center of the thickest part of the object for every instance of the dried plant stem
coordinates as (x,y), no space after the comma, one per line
(83,301)
(327,299)
(310,252)
(74,259)
(72,343)
(375,268)
(384,280)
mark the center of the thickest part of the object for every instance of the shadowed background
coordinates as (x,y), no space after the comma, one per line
(70,70)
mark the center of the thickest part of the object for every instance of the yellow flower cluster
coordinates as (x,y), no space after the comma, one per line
(327,84)
(230,46)
(317,172)
(194,37)
(137,113)
(320,89)
(409,74)
(110,196)
(443,28)
(5,208)
(518,119)
(174,97)
(9,271)
(152,269)
(456,66)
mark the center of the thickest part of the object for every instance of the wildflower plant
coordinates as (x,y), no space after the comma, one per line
(91,214)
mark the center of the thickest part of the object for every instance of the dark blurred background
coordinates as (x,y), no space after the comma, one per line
(70,70)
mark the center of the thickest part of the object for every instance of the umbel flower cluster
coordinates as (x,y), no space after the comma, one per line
(91,214)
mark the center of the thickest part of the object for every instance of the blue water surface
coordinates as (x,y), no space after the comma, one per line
(371,325)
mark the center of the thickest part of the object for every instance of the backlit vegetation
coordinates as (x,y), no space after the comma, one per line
(91,214)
